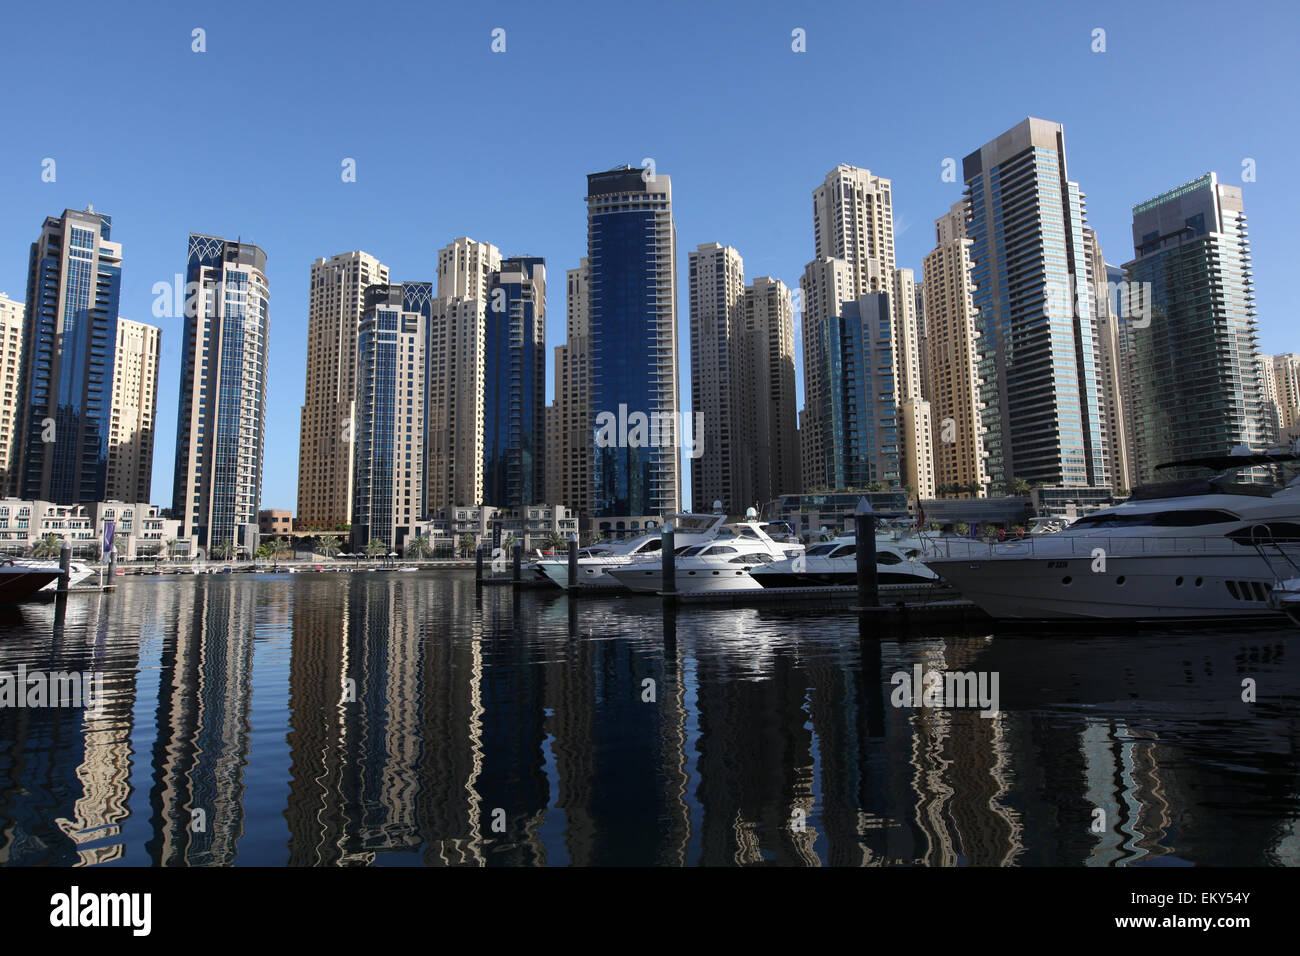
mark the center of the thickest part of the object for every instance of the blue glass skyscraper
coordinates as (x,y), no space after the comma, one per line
(73,281)
(1038,358)
(632,254)
(514,384)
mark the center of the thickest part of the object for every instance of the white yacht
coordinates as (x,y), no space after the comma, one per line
(721,564)
(595,562)
(1195,549)
(77,572)
(898,561)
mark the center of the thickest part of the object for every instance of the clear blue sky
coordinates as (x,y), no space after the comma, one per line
(450,139)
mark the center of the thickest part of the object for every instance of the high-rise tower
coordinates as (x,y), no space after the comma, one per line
(221,418)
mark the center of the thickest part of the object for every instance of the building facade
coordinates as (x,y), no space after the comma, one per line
(1286,383)
(1195,387)
(569,480)
(1042,411)
(950,358)
(717,293)
(853,226)
(74,279)
(514,391)
(389,481)
(139,528)
(455,374)
(221,417)
(327,430)
(765,423)
(632,309)
(135,411)
(11,371)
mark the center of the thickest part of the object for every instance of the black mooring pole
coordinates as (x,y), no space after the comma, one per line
(669,562)
(573,562)
(865,528)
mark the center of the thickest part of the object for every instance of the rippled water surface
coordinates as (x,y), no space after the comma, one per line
(379,719)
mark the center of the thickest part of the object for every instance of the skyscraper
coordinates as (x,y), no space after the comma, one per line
(569,481)
(826,284)
(1108,302)
(1196,389)
(73,281)
(221,418)
(765,424)
(632,302)
(389,460)
(916,448)
(1268,393)
(1042,408)
(853,220)
(1286,379)
(717,292)
(853,224)
(326,444)
(454,374)
(11,370)
(514,391)
(950,359)
(135,409)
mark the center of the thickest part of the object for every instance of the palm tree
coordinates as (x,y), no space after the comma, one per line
(467,545)
(376,548)
(330,545)
(224,550)
(47,547)
(557,541)
(419,547)
(169,547)
(1017,486)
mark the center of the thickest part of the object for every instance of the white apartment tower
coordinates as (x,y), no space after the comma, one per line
(717,292)
(455,371)
(135,409)
(11,364)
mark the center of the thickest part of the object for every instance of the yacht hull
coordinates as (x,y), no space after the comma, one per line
(1156,587)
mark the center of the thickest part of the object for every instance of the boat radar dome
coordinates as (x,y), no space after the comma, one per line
(717,506)
(751,513)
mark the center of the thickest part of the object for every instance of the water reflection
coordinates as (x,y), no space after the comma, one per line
(384,719)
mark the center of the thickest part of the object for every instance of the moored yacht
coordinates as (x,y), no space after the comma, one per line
(1197,549)
(19,581)
(836,562)
(721,564)
(596,561)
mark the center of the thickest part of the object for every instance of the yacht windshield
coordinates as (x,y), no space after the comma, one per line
(1190,518)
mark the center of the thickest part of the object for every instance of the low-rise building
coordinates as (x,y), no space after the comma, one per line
(139,529)
(534,525)
(272,522)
